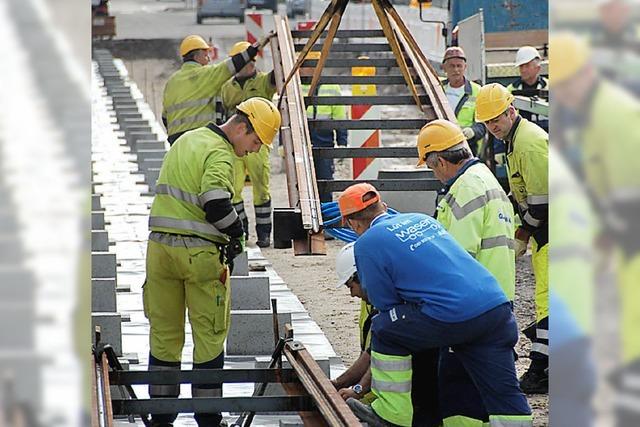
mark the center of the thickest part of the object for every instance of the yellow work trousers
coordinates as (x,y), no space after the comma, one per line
(191,278)
(540,263)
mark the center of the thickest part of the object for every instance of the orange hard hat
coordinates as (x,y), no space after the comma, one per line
(352,199)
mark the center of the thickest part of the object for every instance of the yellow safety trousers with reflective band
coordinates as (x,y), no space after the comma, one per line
(391,384)
(510,420)
(462,421)
(325,112)
(190,95)
(540,264)
(256,165)
(478,214)
(609,139)
(466,115)
(183,275)
(198,168)
(571,236)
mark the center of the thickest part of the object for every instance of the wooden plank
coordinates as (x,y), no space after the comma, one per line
(516,38)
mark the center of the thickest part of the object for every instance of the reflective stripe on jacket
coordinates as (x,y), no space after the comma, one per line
(191,93)
(198,168)
(478,214)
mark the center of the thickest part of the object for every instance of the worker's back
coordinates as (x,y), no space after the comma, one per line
(411,258)
(190,96)
(197,166)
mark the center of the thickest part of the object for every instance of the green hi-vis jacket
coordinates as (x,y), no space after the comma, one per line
(198,168)
(257,86)
(191,93)
(478,214)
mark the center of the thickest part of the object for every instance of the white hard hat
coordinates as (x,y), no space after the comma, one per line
(526,54)
(345,264)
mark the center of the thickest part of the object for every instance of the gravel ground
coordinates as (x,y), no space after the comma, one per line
(313,278)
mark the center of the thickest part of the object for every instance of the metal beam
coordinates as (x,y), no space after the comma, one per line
(202,376)
(341,33)
(535,106)
(213,404)
(348,62)
(358,80)
(350,47)
(367,124)
(365,153)
(358,100)
(384,184)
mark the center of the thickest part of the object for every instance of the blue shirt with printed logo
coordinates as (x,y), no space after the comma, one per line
(411,258)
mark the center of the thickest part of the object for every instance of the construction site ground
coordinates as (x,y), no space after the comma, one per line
(313,278)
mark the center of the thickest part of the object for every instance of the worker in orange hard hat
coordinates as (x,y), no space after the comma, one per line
(461,94)
(249,83)
(191,96)
(431,294)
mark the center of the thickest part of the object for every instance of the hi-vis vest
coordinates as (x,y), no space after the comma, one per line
(478,214)
(324,112)
(256,86)
(191,95)
(198,168)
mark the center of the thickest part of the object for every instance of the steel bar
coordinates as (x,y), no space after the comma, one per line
(202,376)
(354,80)
(535,106)
(341,34)
(385,184)
(365,153)
(357,100)
(350,47)
(259,404)
(368,124)
(348,62)
(330,404)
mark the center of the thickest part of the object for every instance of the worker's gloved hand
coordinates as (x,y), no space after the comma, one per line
(468,133)
(235,248)
(521,241)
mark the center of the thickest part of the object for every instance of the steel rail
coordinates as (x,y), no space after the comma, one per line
(328,401)
(202,376)
(260,404)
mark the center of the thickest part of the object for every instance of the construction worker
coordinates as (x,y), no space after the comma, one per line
(191,95)
(528,62)
(461,93)
(355,382)
(195,234)
(431,294)
(477,213)
(601,148)
(324,168)
(527,165)
(248,83)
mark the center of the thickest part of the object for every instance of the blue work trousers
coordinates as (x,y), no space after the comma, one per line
(483,344)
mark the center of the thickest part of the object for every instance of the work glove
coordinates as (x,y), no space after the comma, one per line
(235,248)
(521,241)
(468,133)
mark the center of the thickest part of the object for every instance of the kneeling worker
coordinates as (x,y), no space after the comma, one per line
(431,294)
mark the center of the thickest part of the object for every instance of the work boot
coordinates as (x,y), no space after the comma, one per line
(367,414)
(535,382)
(263,241)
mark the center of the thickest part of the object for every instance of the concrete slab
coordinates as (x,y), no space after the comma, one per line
(146,154)
(103,295)
(24,369)
(95,203)
(150,163)
(241,265)
(250,293)
(99,241)
(142,145)
(11,249)
(251,332)
(17,325)
(110,327)
(103,265)
(97,220)
(133,137)
(16,283)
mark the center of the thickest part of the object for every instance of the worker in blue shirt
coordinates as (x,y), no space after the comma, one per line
(431,294)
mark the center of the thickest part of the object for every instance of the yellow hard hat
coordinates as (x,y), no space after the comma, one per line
(314,54)
(239,47)
(567,56)
(264,117)
(192,42)
(438,135)
(492,100)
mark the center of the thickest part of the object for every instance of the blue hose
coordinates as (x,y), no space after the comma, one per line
(331,215)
